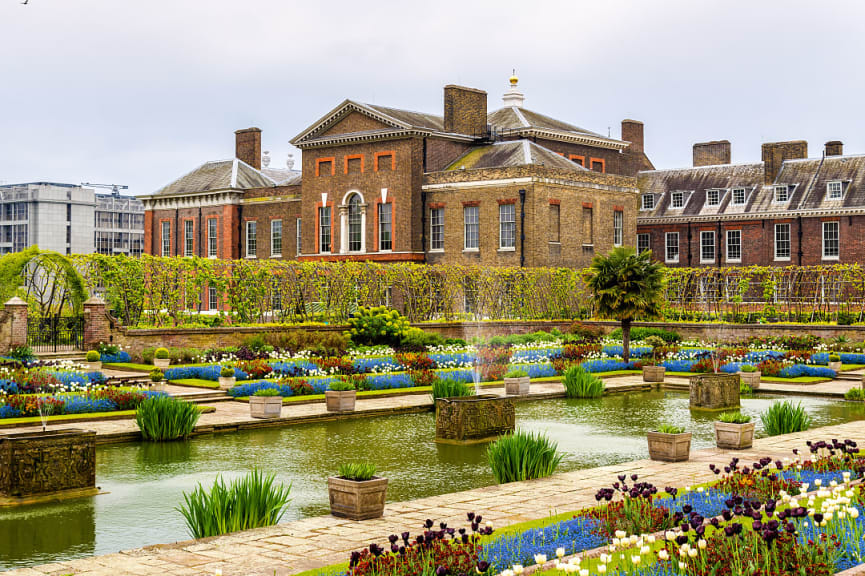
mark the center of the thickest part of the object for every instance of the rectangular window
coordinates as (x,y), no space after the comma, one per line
(713,197)
(324,229)
(643,243)
(251,238)
(782,193)
(782,241)
(212,300)
(618,224)
(738,196)
(471,220)
(598,165)
(831,244)
(385,227)
(166,238)
(276,237)
(188,238)
(677,199)
(734,245)
(555,223)
(588,227)
(648,202)
(507,226)
(211,238)
(707,246)
(834,190)
(437,229)
(671,240)
(297,250)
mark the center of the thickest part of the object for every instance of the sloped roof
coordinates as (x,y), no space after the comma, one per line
(521,121)
(812,176)
(282,176)
(413,119)
(512,153)
(217,175)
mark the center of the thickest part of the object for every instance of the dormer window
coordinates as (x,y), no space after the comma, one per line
(738,196)
(677,200)
(648,202)
(713,197)
(834,190)
(782,193)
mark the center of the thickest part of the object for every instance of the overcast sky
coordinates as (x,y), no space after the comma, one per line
(139,92)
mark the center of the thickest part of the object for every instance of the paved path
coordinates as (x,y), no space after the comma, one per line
(315,542)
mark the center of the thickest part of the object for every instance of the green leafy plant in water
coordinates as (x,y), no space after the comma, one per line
(670,429)
(734,418)
(252,501)
(357,471)
(522,456)
(451,389)
(784,417)
(164,418)
(582,384)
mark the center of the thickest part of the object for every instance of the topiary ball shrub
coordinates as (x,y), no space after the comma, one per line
(161,353)
(92,356)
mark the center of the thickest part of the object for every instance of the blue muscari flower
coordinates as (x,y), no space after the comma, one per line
(575,535)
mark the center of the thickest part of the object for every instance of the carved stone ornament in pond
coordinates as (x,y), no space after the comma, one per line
(472,419)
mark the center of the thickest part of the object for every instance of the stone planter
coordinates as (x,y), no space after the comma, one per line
(93,366)
(158,386)
(39,463)
(265,406)
(227,382)
(340,400)
(473,419)
(357,500)
(517,386)
(714,391)
(752,379)
(731,436)
(653,373)
(836,366)
(161,363)
(669,447)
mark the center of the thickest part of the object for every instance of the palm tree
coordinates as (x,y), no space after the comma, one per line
(626,285)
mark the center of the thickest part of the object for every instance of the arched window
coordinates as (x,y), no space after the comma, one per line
(355,224)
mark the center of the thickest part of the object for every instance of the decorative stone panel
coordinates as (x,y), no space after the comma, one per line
(473,419)
(36,463)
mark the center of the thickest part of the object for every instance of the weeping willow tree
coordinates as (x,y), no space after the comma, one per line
(46,280)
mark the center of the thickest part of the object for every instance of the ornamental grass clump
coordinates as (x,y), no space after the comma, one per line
(670,429)
(734,418)
(163,418)
(357,471)
(252,501)
(522,456)
(783,417)
(580,383)
(451,389)
(854,394)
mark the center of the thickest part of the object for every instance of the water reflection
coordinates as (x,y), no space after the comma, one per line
(39,534)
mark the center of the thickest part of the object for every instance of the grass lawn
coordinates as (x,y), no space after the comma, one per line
(196,382)
(132,366)
(845,367)
(797,380)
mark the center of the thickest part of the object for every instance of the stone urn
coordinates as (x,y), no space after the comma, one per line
(162,363)
(714,391)
(836,366)
(265,406)
(35,464)
(227,382)
(94,366)
(340,400)
(653,373)
(732,436)
(669,447)
(517,386)
(752,379)
(357,499)
(473,419)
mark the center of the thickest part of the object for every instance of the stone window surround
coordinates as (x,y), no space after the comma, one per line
(378,202)
(344,224)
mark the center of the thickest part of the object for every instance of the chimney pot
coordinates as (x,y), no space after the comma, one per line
(711,153)
(247,146)
(834,148)
(465,110)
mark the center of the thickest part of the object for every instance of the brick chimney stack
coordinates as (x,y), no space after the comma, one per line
(632,131)
(774,154)
(834,148)
(712,153)
(465,110)
(247,146)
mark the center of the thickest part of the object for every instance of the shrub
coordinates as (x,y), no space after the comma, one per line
(582,384)
(378,325)
(161,354)
(744,389)
(834,358)
(226,372)
(156,375)
(522,456)
(516,373)
(639,334)
(257,343)
(586,332)
(415,361)
(164,418)
(267,392)
(854,394)
(92,356)
(357,471)
(23,354)
(319,343)
(252,501)
(783,417)
(341,386)
(734,418)
(670,429)
(416,340)
(446,388)
(747,368)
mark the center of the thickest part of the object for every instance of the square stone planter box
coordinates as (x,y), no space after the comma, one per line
(93,366)
(669,447)
(653,373)
(731,436)
(517,386)
(265,406)
(473,419)
(714,391)
(340,400)
(227,382)
(752,379)
(836,366)
(357,500)
(38,463)
(162,363)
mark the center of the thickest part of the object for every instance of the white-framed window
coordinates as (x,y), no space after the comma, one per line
(297,245)
(831,240)
(188,238)
(324,229)
(782,242)
(211,238)
(385,227)
(166,238)
(647,202)
(437,229)
(507,226)
(713,197)
(251,238)
(355,224)
(618,227)
(834,190)
(677,199)
(276,237)
(471,221)
(643,243)
(782,193)
(707,246)
(671,244)
(738,196)
(734,245)
(212,299)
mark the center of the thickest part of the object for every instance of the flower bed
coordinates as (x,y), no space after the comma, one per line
(107,400)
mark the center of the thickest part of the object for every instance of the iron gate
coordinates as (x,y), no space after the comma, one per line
(55,333)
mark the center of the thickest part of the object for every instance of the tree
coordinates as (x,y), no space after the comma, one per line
(625,286)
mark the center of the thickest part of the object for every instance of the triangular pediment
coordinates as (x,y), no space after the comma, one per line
(349,117)
(355,122)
